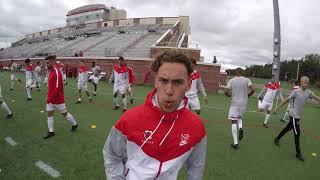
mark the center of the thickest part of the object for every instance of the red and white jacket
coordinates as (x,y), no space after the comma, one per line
(55,87)
(147,143)
(270,91)
(196,85)
(119,75)
(29,72)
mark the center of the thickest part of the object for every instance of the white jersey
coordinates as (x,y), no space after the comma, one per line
(29,72)
(14,68)
(96,71)
(37,70)
(270,91)
(196,85)
(119,76)
(83,75)
(239,89)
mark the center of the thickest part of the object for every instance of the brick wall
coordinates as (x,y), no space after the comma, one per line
(210,73)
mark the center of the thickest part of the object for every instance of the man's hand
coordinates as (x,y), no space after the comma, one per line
(206,100)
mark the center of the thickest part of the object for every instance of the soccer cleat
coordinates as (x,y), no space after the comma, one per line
(90,99)
(73,128)
(116,107)
(283,121)
(19,81)
(78,102)
(11,89)
(235,146)
(265,125)
(240,134)
(131,101)
(9,116)
(276,142)
(29,99)
(299,157)
(94,94)
(124,110)
(49,135)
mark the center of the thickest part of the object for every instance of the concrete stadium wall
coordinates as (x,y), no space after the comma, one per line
(210,73)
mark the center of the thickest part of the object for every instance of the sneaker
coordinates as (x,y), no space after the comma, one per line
(49,135)
(235,146)
(240,134)
(116,107)
(131,101)
(78,102)
(299,157)
(276,142)
(9,116)
(265,125)
(73,128)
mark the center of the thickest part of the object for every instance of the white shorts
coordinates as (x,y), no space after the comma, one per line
(64,77)
(94,79)
(0,95)
(60,107)
(194,103)
(129,88)
(13,77)
(236,112)
(122,89)
(29,83)
(83,86)
(266,105)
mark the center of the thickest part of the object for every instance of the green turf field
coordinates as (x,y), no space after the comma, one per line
(78,155)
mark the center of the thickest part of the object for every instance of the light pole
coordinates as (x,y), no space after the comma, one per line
(276,41)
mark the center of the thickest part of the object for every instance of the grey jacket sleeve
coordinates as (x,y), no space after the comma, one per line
(196,161)
(262,93)
(115,155)
(201,87)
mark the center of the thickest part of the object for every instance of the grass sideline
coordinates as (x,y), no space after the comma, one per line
(79,155)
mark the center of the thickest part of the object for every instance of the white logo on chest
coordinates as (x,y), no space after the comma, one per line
(184,139)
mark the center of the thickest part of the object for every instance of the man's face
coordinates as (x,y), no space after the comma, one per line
(93,64)
(304,83)
(121,62)
(193,65)
(172,82)
(81,64)
(50,63)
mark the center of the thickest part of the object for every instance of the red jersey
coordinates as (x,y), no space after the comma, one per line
(131,75)
(55,87)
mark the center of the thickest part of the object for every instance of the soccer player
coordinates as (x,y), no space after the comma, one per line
(29,70)
(131,80)
(47,74)
(238,88)
(295,85)
(55,98)
(82,81)
(37,76)
(197,85)
(298,98)
(13,70)
(154,140)
(266,98)
(61,67)
(120,78)
(5,107)
(95,77)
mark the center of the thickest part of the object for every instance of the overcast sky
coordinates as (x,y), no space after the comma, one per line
(238,32)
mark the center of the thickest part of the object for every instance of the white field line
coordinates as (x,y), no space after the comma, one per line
(10,141)
(48,169)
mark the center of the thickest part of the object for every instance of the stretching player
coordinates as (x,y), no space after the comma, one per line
(120,78)
(298,98)
(37,76)
(82,81)
(5,107)
(47,73)
(238,87)
(192,93)
(266,98)
(29,70)
(95,77)
(55,98)
(13,70)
